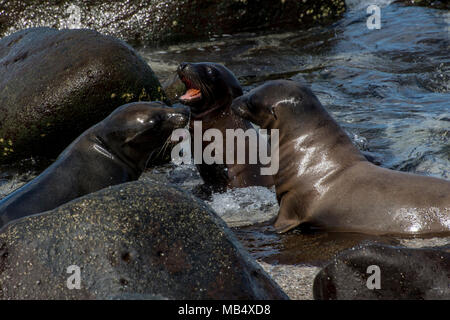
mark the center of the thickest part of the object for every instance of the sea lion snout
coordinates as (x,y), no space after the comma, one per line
(261,112)
(181,67)
(185,72)
(179,116)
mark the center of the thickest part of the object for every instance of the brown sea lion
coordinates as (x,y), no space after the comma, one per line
(325,182)
(211,89)
(114,151)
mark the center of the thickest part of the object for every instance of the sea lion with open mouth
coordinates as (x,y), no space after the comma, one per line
(325,182)
(114,151)
(211,89)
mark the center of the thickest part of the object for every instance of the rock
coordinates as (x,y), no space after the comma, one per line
(404,274)
(295,280)
(174,88)
(147,21)
(56,84)
(140,239)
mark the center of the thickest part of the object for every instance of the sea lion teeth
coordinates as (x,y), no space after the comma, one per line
(191,94)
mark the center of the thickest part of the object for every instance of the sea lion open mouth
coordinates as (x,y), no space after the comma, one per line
(192,94)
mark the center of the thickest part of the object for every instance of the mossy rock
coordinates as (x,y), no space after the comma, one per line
(131,241)
(56,84)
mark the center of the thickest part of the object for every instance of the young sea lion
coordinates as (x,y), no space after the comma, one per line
(115,150)
(324,181)
(211,89)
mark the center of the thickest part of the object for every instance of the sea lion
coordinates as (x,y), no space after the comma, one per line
(114,151)
(325,182)
(211,89)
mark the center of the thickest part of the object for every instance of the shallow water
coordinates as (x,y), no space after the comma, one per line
(388,88)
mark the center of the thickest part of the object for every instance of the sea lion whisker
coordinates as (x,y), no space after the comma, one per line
(163,148)
(149,158)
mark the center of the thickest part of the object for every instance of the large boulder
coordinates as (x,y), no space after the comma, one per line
(160,20)
(56,84)
(137,240)
(403,273)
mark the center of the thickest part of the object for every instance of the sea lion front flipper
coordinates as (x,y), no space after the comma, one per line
(287,218)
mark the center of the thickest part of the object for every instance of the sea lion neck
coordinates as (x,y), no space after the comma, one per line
(313,150)
(107,151)
(291,126)
(213,112)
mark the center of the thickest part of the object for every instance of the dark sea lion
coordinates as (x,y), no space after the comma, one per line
(325,182)
(211,89)
(403,273)
(114,151)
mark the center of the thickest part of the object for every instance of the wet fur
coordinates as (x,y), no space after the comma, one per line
(325,181)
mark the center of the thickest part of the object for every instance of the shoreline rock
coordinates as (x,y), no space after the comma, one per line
(402,273)
(143,239)
(149,21)
(56,84)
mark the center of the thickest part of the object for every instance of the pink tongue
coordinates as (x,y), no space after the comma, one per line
(190,94)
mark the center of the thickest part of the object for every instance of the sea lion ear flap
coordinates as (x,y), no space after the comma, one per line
(288,217)
(272,111)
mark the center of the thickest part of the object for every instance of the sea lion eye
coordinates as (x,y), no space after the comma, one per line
(210,71)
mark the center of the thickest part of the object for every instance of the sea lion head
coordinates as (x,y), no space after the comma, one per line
(210,87)
(138,133)
(266,104)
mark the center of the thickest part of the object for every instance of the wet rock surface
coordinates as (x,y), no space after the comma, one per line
(404,273)
(140,239)
(144,21)
(56,84)
(296,280)
(174,88)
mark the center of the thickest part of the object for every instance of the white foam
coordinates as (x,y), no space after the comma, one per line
(8,186)
(245,206)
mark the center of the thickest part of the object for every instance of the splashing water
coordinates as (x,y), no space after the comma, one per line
(245,206)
